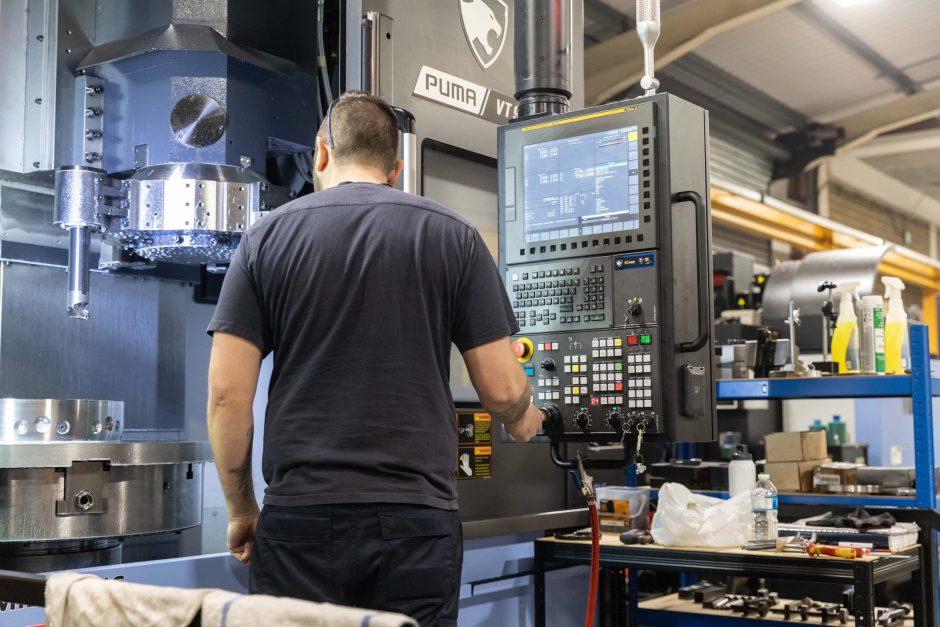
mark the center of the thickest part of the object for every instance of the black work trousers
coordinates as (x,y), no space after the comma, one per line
(391,557)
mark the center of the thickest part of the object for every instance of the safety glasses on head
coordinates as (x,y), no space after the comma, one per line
(329,124)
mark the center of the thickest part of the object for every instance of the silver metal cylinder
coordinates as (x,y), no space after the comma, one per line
(121,501)
(543,56)
(410,159)
(77,192)
(189,213)
(79,271)
(68,491)
(371,41)
(54,420)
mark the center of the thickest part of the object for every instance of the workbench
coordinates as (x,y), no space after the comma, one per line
(863,573)
(676,612)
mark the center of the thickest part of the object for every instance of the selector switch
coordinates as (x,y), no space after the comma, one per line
(634,309)
(615,420)
(551,418)
(583,420)
(548,365)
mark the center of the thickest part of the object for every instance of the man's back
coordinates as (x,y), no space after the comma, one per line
(359,291)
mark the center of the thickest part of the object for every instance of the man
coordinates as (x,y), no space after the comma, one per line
(359,291)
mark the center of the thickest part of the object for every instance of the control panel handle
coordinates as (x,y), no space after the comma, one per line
(704,280)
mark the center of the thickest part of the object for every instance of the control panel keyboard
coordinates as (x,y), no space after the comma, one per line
(568,294)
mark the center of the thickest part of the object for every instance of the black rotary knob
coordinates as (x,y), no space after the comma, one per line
(615,420)
(634,309)
(583,421)
(551,417)
(548,365)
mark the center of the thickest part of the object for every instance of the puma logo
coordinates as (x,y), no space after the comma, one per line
(481,21)
(485,28)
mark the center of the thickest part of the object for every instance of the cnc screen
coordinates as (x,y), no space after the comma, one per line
(585,185)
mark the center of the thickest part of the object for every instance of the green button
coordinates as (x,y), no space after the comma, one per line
(618,366)
(645,339)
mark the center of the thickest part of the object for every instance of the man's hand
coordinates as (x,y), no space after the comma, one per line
(526,428)
(241,536)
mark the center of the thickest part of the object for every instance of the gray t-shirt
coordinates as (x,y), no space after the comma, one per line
(359,291)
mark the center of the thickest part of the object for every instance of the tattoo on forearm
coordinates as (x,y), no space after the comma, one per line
(517,410)
(242,472)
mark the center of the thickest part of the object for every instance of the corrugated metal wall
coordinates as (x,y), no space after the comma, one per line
(725,238)
(853,209)
(737,164)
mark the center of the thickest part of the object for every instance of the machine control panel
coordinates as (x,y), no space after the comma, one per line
(603,383)
(606,252)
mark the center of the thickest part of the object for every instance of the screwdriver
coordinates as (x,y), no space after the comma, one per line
(847,552)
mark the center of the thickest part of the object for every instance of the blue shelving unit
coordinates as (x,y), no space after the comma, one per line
(919,386)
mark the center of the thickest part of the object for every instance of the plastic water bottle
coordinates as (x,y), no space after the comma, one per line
(764,509)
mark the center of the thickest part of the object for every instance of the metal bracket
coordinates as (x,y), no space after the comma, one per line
(84,490)
(91,89)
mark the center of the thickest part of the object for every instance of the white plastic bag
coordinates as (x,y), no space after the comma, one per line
(686,519)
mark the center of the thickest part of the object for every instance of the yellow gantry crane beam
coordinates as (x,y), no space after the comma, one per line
(810,232)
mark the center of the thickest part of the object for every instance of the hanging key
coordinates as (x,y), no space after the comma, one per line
(638,456)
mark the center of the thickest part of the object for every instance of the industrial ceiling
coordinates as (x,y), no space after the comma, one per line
(779,75)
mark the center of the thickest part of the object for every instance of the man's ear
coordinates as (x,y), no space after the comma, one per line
(394,174)
(322,156)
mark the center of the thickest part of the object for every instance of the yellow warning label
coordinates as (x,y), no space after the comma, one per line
(632,136)
(483,450)
(482,417)
(579,118)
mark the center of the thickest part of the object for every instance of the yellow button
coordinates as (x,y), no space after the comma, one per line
(575,368)
(576,391)
(618,341)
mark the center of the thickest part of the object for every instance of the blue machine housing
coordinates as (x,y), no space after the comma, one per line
(270,104)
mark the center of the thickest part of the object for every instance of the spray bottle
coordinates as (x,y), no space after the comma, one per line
(845,337)
(896,341)
(872,335)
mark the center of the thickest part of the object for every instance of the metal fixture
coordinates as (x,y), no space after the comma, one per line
(647,28)
(79,488)
(187,213)
(542,57)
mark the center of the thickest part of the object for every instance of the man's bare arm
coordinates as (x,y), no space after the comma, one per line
(503,388)
(233,377)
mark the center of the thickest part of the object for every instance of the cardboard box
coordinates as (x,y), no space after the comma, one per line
(795,446)
(793,476)
(836,473)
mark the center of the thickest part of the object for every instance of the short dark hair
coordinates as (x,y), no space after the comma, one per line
(364,131)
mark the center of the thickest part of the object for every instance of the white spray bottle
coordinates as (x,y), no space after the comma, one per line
(897,350)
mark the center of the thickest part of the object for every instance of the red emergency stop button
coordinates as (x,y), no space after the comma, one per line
(523,349)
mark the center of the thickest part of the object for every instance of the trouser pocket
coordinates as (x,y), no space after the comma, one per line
(421,551)
(293,555)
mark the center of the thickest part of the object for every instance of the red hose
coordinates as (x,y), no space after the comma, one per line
(595,565)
